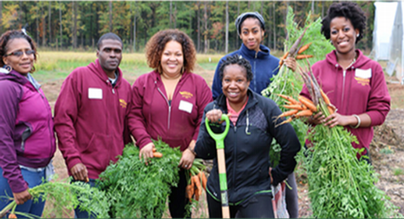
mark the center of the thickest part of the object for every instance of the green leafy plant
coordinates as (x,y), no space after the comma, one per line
(137,190)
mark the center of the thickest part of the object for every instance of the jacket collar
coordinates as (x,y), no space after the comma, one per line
(96,68)
(264,51)
(252,100)
(361,60)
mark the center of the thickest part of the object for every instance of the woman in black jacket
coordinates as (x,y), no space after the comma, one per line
(252,128)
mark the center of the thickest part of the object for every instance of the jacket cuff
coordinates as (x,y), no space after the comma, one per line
(18,186)
(275,178)
(73,162)
(376,118)
(143,143)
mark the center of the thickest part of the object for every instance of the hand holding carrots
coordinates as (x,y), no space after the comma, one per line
(290,62)
(187,157)
(21,197)
(146,152)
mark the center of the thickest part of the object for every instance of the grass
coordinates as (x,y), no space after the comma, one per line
(398,172)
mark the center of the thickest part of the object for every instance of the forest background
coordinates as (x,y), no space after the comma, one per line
(77,25)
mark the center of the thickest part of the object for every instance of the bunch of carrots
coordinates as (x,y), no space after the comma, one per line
(296,52)
(304,107)
(197,180)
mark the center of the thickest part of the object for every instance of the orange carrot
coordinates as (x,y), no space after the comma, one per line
(87,180)
(304,56)
(288,113)
(286,121)
(330,109)
(307,103)
(290,99)
(190,192)
(12,215)
(154,149)
(157,155)
(202,175)
(198,184)
(296,106)
(304,113)
(325,97)
(304,48)
(285,55)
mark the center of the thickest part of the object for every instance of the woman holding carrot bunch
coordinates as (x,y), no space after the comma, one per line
(354,83)
(247,144)
(168,103)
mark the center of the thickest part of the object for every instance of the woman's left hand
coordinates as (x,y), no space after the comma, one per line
(290,63)
(187,159)
(336,119)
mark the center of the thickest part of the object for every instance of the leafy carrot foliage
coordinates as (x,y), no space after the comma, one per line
(137,190)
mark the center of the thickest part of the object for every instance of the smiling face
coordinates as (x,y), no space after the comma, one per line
(251,33)
(21,63)
(172,59)
(343,35)
(110,55)
(235,84)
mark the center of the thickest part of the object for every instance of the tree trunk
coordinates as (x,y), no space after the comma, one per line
(49,22)
(322,9)
(269,27)
(175,15)
(238,13)
(262,8)
(198,20)
(226,50)
(134,29)
(110,16)
(43,28)
(74,24)
(312,7)
(205,19)
(37,24)
(60,25)
(1,17)
(171,14)
(274,20)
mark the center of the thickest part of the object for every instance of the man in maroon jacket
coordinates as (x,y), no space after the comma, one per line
(91,113)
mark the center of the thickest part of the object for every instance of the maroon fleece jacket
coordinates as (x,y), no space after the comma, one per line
(152,117)
(361,89)
(90,118)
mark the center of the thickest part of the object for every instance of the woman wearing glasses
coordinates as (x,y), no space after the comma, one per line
(27,141)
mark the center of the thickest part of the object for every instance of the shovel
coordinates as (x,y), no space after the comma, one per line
(219,138)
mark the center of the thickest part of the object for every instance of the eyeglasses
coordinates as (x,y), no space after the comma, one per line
(20,53)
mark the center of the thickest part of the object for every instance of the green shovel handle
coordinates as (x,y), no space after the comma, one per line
(219,138)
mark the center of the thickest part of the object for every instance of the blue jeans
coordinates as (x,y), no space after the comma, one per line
(84,214)
(33,179)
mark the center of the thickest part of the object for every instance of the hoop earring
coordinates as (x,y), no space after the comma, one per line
(7,67)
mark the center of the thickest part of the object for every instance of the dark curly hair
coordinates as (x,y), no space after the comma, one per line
(237,60)
(6,37)
(156,44)
(350,11)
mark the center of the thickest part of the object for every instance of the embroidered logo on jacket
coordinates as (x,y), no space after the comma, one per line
(186,94)
(362,81)
(123,103)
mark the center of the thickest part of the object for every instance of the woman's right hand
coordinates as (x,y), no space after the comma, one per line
(317,118)
(214,115)
(21,197)
(146,152)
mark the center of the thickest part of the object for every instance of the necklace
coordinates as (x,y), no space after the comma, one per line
(353,61)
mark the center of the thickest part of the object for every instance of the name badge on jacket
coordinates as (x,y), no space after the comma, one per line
(363,73)
(94,93)
(185,106)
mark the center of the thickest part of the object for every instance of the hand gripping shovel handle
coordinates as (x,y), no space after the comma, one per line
(221,161)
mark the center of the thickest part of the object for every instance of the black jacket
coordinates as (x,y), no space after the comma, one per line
(247,148)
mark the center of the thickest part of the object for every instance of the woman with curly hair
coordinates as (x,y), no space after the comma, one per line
(27,141)
(168,103)
(354,83)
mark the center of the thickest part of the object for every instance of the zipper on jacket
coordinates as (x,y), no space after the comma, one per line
(255,70)
(169,107)
(343,85)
